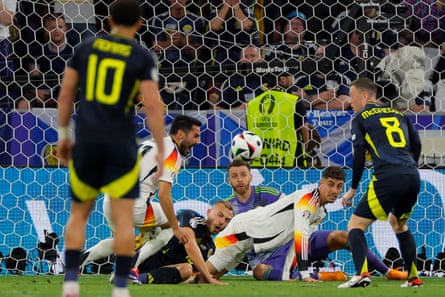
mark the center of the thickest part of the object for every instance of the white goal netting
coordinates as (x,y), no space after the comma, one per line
(214,57)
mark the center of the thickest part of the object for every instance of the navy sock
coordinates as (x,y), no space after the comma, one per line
(123,266)
(359,249)
(408,250)
(72,263)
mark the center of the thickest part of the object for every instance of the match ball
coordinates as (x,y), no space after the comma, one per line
(246,146)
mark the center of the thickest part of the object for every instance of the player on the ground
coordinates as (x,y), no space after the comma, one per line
(184,134)
(270,265)
(176,262)
(294,216)
(394,145)
(105,75)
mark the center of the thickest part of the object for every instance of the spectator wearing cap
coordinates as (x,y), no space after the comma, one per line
(290,35)
(178,44)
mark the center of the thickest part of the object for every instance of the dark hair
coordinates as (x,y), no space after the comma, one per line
(365,83)
(126,12)
(334,172)
(184,123)
(238,163)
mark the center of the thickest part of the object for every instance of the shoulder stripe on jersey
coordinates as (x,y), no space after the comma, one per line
(264,189)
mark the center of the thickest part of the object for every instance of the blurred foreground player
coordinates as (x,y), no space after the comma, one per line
(105,74)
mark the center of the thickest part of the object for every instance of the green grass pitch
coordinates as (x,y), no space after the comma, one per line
(98,286)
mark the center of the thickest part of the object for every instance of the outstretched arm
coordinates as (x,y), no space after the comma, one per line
(193,251)
(304,209)
(166,201)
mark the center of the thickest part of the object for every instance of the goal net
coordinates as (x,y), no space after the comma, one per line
(214,57)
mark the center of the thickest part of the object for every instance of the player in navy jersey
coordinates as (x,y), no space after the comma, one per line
(271,265)
(106,74)
(176,262)
(394,146)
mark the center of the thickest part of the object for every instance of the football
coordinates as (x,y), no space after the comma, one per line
(246,146)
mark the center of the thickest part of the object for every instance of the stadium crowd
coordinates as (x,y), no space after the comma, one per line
(199,45)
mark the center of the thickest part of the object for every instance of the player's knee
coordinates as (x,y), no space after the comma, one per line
(185,270)
(337,240)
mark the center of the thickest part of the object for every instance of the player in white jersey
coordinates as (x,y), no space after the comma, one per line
(184,133)
(294,216)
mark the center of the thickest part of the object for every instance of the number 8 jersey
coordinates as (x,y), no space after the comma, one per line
(388,135)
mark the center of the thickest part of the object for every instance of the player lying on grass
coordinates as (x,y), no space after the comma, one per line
(273,265)
(176,262)
(292,217)
(184,134)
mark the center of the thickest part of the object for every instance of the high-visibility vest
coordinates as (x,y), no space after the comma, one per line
(271,115)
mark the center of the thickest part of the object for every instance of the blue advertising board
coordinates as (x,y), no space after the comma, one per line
(36,199)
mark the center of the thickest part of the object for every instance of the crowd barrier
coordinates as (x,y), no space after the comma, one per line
(36,199)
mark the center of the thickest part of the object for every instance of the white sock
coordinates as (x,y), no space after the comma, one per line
(70,288)
(102,249)
(121,292)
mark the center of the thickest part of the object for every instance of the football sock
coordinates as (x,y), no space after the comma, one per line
(72,261)
(102,249)
(358,246)
(408,250)
(123,265)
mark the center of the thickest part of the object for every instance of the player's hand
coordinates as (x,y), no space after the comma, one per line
(214,281)
(181,235)
(311,280)
(346,199)
(64,148)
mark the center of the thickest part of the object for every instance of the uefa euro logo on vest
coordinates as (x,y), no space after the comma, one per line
(272,116)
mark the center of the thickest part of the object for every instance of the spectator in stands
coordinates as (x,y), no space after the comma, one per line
(427,17)
(414,72)
(178,44)
(150,9)
(431,99)
(290,35)
(48,61)
(232,26)
(352,60)
(236,91)
(8,9)
(324,90)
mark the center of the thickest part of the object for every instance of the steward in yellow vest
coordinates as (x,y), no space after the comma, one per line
(278,118)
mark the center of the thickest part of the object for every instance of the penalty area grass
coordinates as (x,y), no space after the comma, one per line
(98,286)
